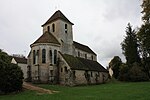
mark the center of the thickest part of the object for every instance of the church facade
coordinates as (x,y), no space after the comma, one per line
(56,59)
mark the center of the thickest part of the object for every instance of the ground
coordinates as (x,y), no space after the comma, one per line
(108,91)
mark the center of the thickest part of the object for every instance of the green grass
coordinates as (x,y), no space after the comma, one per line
(109,91)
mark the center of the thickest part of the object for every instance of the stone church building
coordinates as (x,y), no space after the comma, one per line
(56,59)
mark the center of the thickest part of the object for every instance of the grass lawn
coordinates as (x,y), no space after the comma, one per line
(109,91)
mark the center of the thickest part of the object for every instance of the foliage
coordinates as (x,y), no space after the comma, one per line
(136,73)
(146,11)
(124,73)
(130,46)
(10,75)
(115,64)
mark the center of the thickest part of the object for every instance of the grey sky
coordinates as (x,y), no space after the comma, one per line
(100,24)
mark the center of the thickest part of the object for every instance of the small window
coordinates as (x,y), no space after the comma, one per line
(91,74)
(66,28)
(85,56)
(43,56)
(78,54)
(48,28)
(34,57)
(50,55)
(92,57)
(53,27)
(55,56)
(66,71)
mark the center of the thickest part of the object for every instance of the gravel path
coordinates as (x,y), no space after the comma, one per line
(36,88)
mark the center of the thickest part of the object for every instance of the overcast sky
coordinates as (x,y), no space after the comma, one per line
(100,24)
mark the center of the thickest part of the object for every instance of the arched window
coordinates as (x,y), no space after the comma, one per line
(48,28)
(92,57)
(50,56)
(78,54)
(66,28)
(34,57)
(53,27)
(85,56)
(43,56)
(55,56)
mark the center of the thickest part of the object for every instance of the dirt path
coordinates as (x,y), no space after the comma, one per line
(36,88)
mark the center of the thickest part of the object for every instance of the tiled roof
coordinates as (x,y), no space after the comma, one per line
(77,63)
(57,15)
(22,60)
(83,47)
(47,38)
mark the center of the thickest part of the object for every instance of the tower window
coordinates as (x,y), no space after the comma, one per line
(43,56)
(55,56)
(53,27)
(48,28)
(66,28)
(34,57)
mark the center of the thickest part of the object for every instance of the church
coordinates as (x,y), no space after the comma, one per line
(55,58)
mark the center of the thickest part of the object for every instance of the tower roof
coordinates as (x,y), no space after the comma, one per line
(57,15)
(47,38)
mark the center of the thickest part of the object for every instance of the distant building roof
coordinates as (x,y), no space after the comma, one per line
(22,60)
(83,47)
(47,38)
(77,63)
(57,15)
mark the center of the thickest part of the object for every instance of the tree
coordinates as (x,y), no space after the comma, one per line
(11,76)
(115,65)
(124,73)
(130,46)
(144,36)
(146,11)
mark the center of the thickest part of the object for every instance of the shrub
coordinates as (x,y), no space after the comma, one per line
(123,74)
(137,74)
(11,76)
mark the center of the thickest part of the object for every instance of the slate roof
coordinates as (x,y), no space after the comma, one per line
(57,15)
(77,63)
(47,38)
(22,60)
(83,47)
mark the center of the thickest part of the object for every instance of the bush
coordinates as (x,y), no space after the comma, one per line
(124,73)
(136,73)
(11,76)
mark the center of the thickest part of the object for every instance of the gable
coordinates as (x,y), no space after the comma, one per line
(83,47)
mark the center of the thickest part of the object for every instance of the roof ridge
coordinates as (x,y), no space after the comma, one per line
(57,15)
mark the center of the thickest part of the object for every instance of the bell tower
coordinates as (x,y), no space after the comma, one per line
(61,28)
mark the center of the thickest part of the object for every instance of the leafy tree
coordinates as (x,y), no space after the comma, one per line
(130,46)
(146,11)
(115,64)
(10,75)
(144,37)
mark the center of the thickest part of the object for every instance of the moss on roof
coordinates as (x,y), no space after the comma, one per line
(77,63)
